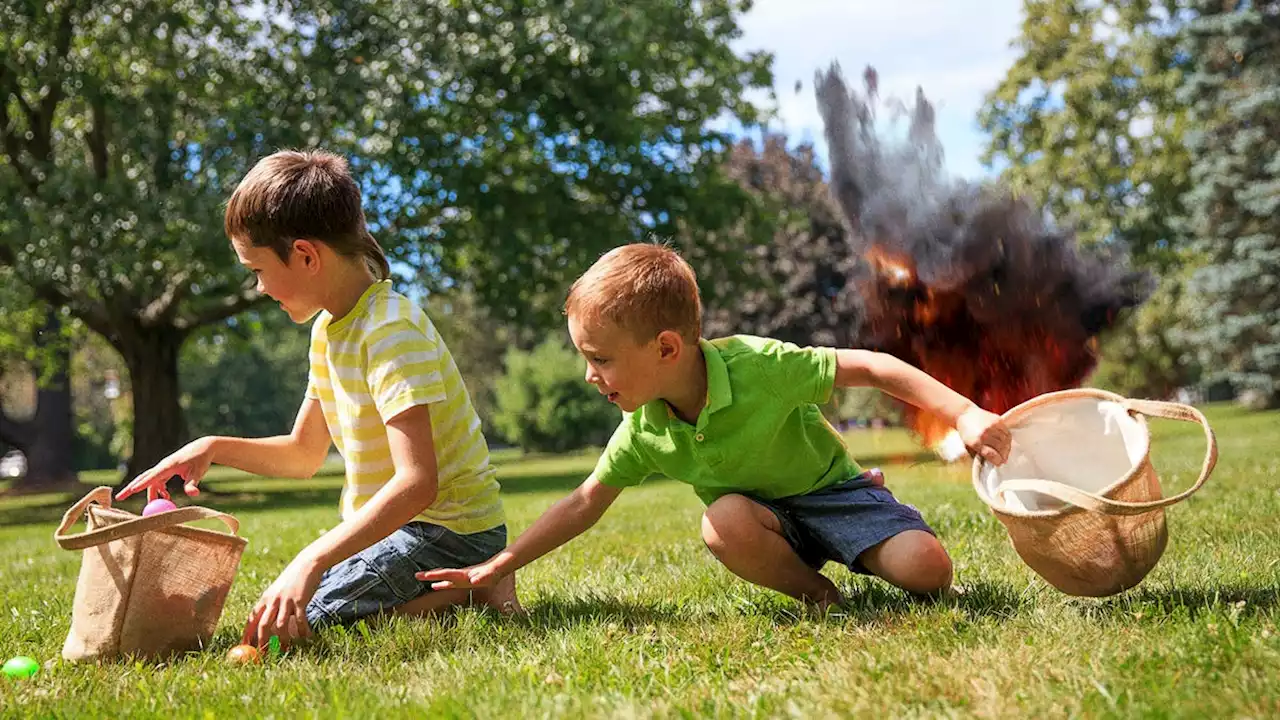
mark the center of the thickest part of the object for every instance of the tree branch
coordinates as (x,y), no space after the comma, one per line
(161,306)
(97,138)
(221,310)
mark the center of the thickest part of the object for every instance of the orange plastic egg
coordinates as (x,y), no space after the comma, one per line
(244,655)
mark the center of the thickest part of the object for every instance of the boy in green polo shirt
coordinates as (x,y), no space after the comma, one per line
(737,418)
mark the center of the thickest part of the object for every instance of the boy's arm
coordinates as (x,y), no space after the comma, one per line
(981,431)
(298,454)
(282,608)
(567,519)
(410,490)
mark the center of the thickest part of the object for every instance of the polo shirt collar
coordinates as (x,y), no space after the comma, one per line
(657,415)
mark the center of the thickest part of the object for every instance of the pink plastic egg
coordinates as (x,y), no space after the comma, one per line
(158,505)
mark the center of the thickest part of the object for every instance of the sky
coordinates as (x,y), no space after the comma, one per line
(956,50)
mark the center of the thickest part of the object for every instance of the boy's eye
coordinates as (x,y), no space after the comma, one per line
(599,361)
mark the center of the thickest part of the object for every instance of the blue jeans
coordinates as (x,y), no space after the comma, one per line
(840,522)
(381,576)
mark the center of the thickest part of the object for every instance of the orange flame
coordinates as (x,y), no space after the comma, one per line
(932,331)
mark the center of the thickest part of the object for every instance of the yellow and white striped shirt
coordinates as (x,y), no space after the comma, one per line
(377,361)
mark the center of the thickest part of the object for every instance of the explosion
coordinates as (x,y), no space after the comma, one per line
(965,281)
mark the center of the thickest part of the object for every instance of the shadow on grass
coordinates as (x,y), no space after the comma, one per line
(556,614)
(1239,600)
(868,601)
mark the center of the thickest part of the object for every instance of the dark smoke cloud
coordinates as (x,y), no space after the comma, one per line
(998,302)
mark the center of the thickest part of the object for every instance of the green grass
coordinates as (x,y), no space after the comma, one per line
(637,619)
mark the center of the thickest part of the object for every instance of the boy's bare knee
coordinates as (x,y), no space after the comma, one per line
(914,561)
(932,571)
(724,522)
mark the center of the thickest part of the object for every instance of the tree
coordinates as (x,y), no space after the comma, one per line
(35,349)
(1086,121)
(544,405)
(1149,354)
(1234,206)
(795,287)
(502,146)
(246,377)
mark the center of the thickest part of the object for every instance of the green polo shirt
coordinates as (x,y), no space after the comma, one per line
(760,432)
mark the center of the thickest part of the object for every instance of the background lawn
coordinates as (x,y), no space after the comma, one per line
(637,619)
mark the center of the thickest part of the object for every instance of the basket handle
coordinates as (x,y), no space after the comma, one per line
(1107,506)
(128,528)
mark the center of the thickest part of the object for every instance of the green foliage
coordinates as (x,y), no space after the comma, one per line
(1148,355)
(864,404)
(246,378)
(501,143)
(1234,208)
(544,405)
(1087,122)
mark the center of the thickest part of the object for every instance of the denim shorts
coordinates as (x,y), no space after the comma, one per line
(840,522)
(381,576)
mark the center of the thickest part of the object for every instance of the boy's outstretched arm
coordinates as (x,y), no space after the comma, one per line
(562,522)
(982,432)
(298,454)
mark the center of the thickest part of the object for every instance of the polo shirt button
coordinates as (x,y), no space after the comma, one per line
(698,437)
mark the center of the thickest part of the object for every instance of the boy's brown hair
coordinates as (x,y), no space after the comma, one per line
(642,288)
(292,195)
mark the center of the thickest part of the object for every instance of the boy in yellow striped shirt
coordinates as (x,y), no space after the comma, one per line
(420,492)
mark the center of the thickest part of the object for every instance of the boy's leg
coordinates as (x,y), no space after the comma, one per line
(868,530)
(747,538)
(432,602)
(913,560)
(381,578)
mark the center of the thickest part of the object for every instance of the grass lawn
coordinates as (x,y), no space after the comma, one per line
(637,619)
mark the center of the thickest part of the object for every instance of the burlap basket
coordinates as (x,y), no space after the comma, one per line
(149,586)
(1078,495)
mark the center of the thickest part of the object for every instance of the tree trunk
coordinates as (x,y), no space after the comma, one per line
(159,425)
(46,438)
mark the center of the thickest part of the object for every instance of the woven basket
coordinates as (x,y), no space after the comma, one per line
(1078,495)
(149,586)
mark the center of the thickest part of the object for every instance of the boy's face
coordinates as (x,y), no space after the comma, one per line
(626,372)
(292,285)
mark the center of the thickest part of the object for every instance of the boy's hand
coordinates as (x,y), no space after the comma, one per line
(282,609)
(985,434)
(476,576)
(190,463)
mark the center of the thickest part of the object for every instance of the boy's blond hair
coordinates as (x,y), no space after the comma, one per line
(303,195)
(642,288)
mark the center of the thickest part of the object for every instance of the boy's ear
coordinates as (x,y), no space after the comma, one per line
(307,253)
(670,345)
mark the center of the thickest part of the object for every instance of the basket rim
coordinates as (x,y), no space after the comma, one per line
(195,533)
(1048,398)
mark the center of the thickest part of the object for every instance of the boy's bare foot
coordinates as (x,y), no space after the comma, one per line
(501,597)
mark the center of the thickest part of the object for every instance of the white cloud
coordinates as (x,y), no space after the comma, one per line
(956,50)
